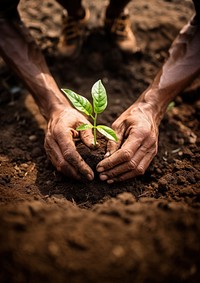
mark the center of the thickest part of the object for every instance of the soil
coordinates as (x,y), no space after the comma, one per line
(54,229)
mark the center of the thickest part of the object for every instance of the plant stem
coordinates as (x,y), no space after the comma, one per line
(95,130)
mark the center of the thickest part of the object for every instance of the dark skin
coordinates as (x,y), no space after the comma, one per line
(137,127)
(21,53)
(27,61)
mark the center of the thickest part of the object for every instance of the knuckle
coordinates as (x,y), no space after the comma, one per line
(152,139)
(60,165)
(120,179)
(111,175)
(67,154)
(109,162)
(140,170)
(58,132)
(72,158)
(55,131)
(127,154)
(87,134)
(145,132)
(132,164)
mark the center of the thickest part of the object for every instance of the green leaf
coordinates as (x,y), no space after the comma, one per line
(170,106)
(84,127)
(79,102)
(99,97)
(107,132)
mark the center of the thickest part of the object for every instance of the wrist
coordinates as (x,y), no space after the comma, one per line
(55,103)
(153,102)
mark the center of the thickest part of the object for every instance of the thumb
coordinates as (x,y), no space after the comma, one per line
(87,138)
(113,146)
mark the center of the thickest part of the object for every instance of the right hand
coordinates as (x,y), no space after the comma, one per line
(137,132)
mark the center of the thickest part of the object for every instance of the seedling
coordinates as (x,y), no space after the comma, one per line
(82,104)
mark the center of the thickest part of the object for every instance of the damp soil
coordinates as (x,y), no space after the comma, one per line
(54,229)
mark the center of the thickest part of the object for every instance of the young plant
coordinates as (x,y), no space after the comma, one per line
(82,104)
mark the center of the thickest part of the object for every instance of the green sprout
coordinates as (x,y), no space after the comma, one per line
(82,104)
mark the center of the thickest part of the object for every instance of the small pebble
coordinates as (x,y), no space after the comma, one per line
(33,138)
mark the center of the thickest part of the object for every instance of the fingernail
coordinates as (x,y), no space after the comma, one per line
(100,169)
(110,181)
(103,177)
(107,154)
(89,177)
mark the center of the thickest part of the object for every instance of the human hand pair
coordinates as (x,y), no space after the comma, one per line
(137,132)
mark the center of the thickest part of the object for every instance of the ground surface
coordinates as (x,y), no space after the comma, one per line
(144,230)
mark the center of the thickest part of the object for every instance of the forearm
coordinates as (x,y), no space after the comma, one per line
(20,51)
(181,67)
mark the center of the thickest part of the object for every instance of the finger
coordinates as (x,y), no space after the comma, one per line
(122,168)
(133,142)
(87,138)
(111,161)
(141,152)
(55,155)
(113,146)
(124,154)
(126,176)
(145,162)
(70,154)
(140,170)
(118,170)
(132,165)
(145,154)
(131,153)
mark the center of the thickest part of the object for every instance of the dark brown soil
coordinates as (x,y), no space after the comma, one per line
(58,230)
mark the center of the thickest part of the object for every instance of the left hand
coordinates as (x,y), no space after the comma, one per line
(137,131)
(60,146)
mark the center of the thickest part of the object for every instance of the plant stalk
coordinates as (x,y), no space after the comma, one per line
(95,130)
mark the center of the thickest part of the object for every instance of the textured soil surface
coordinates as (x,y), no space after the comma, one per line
(53,229)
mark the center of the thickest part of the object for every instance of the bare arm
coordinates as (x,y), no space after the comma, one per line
(137,127)
(22,54)
(182,66)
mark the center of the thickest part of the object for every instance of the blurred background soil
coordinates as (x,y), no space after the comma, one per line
(54,229)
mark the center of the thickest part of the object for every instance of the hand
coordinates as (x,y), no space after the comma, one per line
(60,147)
(137,131)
